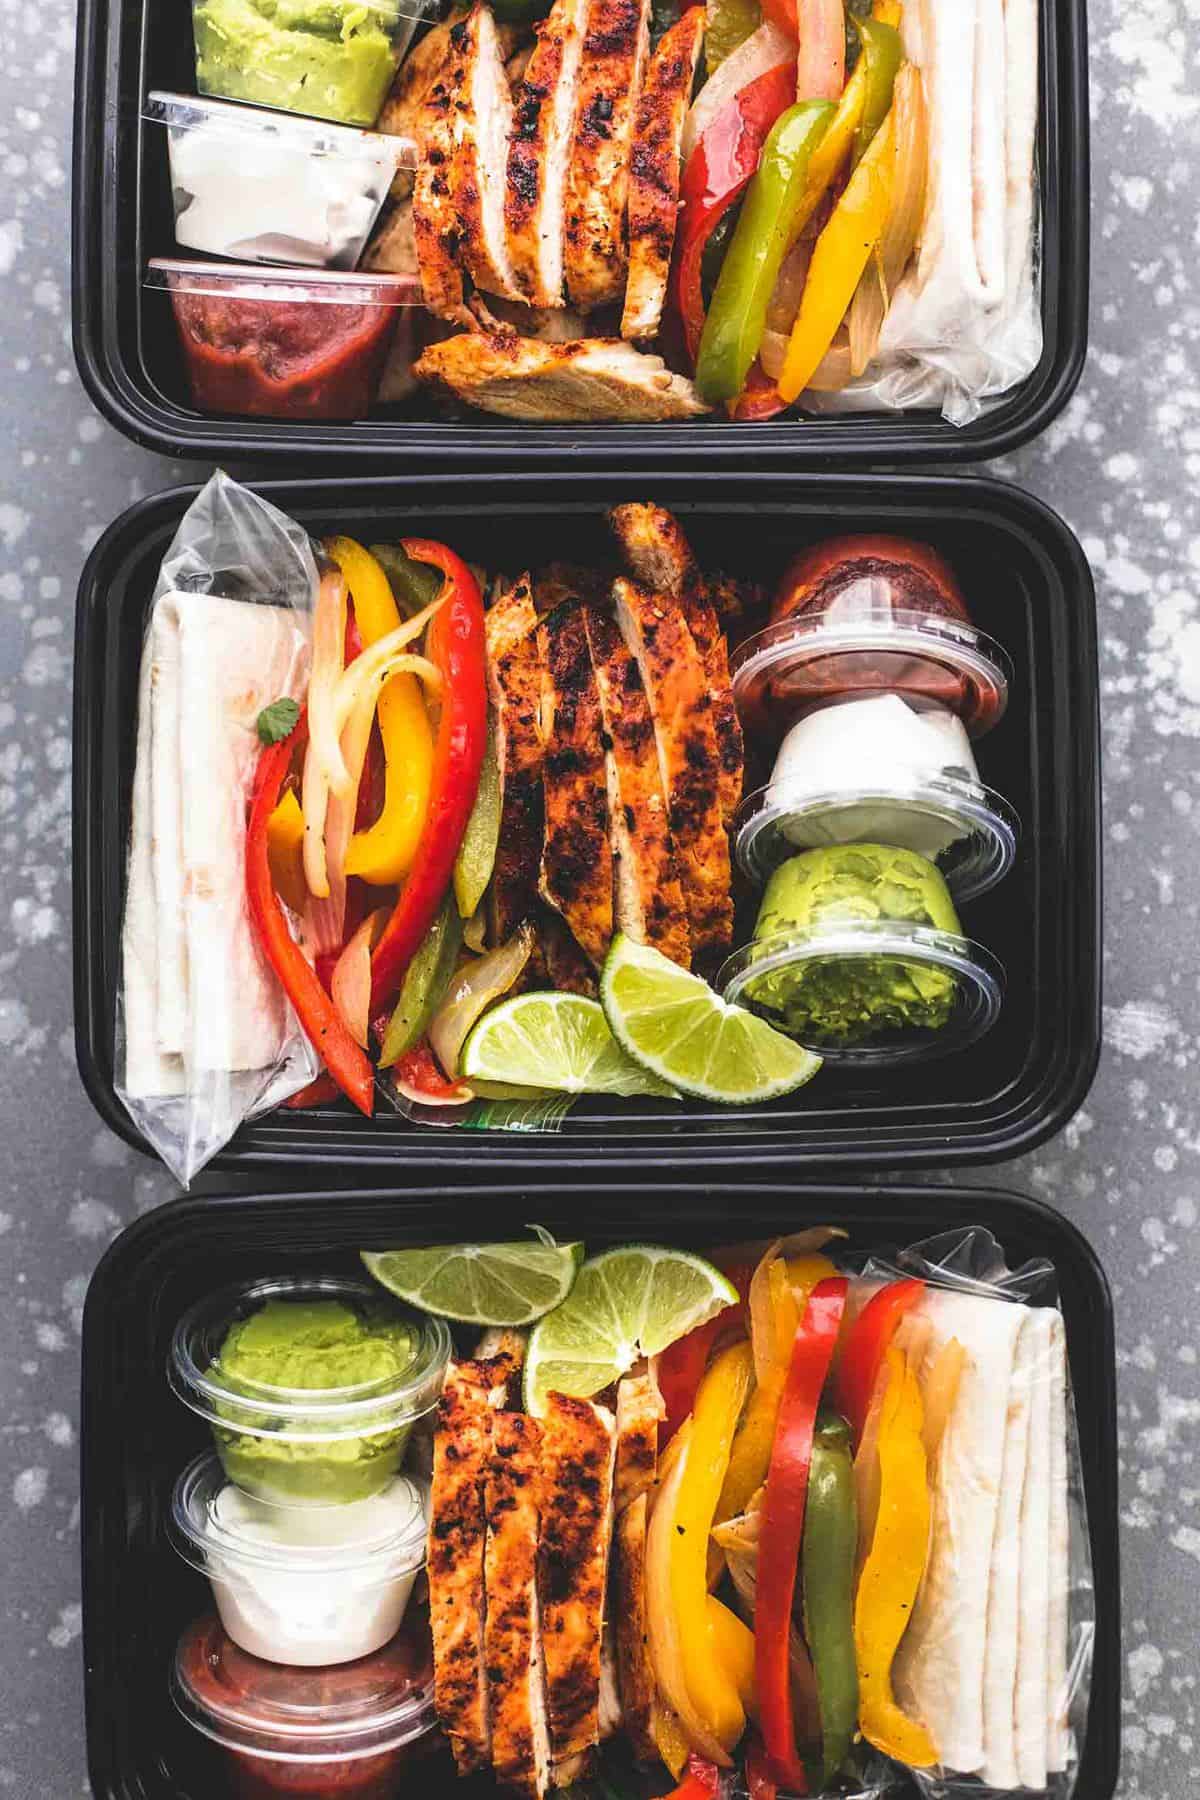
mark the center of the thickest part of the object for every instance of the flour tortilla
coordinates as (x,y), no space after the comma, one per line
(1031,1718)
(1058,1737)
(162,652)
(1007,1577)
(199,998)
(147,1071)
(939,1670)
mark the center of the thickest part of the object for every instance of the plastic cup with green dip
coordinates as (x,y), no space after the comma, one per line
(858,954)
(329,59)
(311,1386)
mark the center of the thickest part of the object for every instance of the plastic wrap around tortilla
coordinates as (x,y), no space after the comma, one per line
(983,1663)
(198,995)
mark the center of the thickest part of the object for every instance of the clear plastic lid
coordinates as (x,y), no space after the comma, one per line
(969,831)
(276,1710)
(260,1408)
(282,287)
(307,137)
(883,974)
(385,1533)
(801,662)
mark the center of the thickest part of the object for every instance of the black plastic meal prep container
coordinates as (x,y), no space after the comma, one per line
(128,356)
(138,1595)
(1028,585)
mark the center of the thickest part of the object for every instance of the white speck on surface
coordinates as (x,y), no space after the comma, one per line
(29,1488)
(70,1624)
(1139,1028)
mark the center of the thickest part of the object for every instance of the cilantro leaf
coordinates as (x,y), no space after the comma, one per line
(277,721)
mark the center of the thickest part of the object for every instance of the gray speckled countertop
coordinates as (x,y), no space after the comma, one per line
(1123,466)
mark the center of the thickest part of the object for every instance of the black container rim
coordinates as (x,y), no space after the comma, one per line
(1047,1231)
(1009,1131)
(136,410)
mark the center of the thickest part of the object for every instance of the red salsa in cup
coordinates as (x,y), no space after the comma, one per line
(343,1733)
(282,344)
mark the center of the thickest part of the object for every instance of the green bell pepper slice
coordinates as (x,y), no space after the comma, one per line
(477,853)
(737,318)
(425,982)
(882,53)
(828,1553)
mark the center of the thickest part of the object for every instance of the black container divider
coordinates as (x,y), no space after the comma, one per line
(128,357)
(136,1437)
(1028,585)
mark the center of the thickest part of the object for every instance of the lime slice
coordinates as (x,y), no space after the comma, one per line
(559,1042)
(480,1284)
(625,1303)
(676,1027)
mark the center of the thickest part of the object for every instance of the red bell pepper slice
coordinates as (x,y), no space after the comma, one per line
(760,1782)
(760,398)
(718,172)
(702,1781)
(317,1093)
(455,643)
(783,1523)
(866,1346)
(316,1012)
(418,1075)
(682,1364)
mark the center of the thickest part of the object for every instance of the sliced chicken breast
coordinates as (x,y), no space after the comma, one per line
(567,968)
(592,379)
(515,690)
(677,687)
(512,1634)
(614,59)
(578,1439)
(576,873)
(659,554)
(648,901)
(482,129)
(654,172)
(455,1566)
(543,129)
(628,1598)
(640,1411)
(403,113)
(435,220)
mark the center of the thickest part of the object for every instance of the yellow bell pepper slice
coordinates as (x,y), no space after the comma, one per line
(382,855)
(285,852)
(840,255)
(892,1573)
(733,1648)
(712,1690)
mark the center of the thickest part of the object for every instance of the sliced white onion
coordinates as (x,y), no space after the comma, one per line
(764,49)
(350,984)
(471,991)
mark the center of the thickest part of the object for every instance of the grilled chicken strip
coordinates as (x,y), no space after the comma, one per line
(576,1529)
(515,690)
(567,968)
(677,687)
(435,220)
(558,582)
(659,554)
(640,1411)
(500,1355)
(628,1590)
(457,1533)
(482,129)
(576,874)
(594,378)
(614,60)
(543,128)
(654,172)
(647,899)
(512,1635)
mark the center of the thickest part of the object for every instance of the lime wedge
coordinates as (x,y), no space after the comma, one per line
(480,1284)
(559,1042)
(680,1030)
(625,1303)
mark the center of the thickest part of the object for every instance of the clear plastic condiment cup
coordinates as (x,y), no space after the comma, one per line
(327,59)
(300,1585)
(770,977)
(271,187)
(307,1446)
(344,1733)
